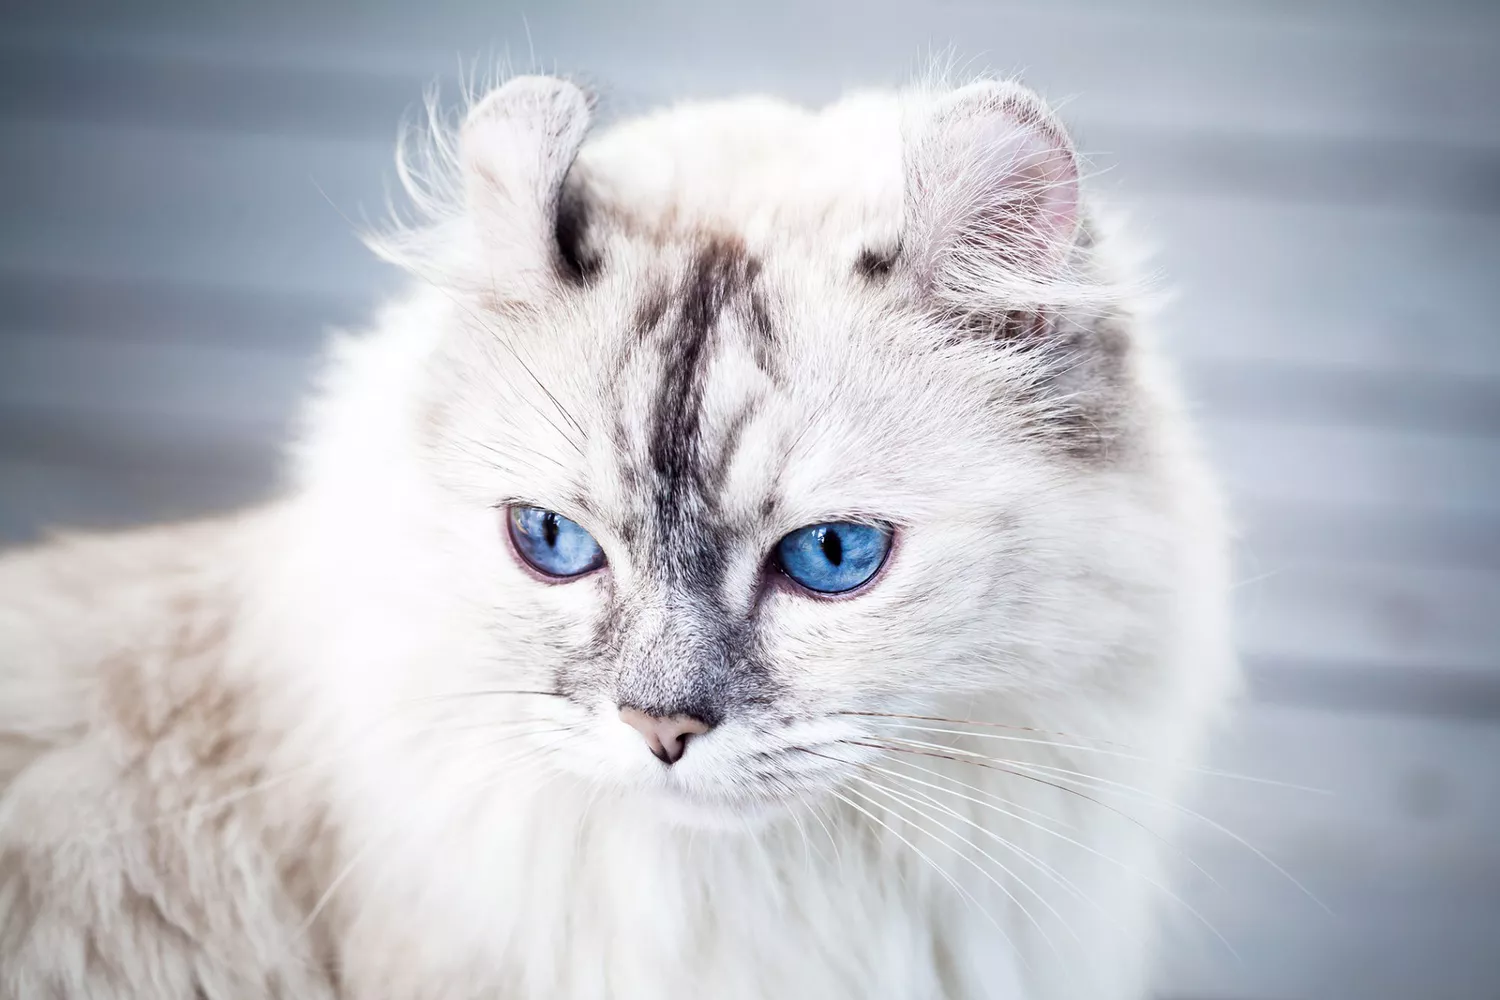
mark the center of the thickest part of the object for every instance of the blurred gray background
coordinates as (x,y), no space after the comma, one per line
(1323,180)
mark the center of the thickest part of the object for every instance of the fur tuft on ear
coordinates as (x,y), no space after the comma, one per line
(486,193)
(992,194)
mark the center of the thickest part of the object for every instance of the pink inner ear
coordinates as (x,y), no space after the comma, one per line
(1002,182)
(1047,171)
(1028,205)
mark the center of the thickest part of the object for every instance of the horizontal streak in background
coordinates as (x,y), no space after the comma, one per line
(1437,692)
(1305,68)
(1458,172)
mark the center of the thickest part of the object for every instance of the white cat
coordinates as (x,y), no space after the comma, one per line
(763,557)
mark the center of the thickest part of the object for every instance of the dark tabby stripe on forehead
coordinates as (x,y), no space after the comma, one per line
(707,664)
(720,273)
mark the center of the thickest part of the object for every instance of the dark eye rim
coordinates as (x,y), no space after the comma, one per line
(893,541)
(507,514)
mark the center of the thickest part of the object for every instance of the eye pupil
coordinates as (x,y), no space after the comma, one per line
(833,546)
(833,557)
(551,544)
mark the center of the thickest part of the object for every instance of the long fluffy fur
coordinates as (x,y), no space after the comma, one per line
(347,746)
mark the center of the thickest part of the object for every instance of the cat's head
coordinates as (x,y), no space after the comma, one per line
(742,429)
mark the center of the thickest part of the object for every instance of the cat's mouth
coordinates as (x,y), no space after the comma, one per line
(755,787)
(732,811)
(747,768)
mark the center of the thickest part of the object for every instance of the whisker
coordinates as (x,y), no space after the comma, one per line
(1044,814)
(817,813)
(1185,811)
(987,725)
(521,736)
(994,763)
(1047,869)
(806,841)
(1209,771)
(934,866)
(978,760)
(343,875)
(483,692)
(1129,870)
(916,808)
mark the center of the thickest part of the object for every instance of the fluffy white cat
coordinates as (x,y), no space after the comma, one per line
(761,557)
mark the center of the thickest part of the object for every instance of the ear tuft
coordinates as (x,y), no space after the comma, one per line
(517,145)
(992,190)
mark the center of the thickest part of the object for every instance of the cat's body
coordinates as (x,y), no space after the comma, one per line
(350,746)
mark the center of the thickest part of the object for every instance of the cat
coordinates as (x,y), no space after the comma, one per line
(761,555)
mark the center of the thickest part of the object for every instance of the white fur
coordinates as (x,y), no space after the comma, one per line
(378,828)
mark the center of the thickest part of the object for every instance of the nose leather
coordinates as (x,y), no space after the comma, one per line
(667,737)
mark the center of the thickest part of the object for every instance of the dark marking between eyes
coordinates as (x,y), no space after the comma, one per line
(718,273)
(721,672)
(708,665)
(707,661)
(632,527)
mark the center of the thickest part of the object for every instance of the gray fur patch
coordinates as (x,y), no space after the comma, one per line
(700,660)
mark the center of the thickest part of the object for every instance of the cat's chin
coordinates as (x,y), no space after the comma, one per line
(740,813)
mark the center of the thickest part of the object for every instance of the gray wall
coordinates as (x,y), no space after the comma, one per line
(176,185)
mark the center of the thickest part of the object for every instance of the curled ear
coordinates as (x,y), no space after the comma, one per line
(991,191)
(516,147)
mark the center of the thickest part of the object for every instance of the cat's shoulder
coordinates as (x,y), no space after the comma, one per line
(111,628)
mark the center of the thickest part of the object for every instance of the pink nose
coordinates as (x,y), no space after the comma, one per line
(667,737)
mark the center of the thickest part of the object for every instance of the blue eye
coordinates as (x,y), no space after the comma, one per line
(832,558)
(552,544)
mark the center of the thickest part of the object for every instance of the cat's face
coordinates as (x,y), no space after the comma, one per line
(726,500)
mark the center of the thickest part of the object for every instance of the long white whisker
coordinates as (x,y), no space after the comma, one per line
(915,807)
(983,760)
(1210,772)
(343,875)
(935,867)
(995,764)
(817,814)
(1049,870)
(807,847)
(1010,803)
(1133,872)
(1080,778)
